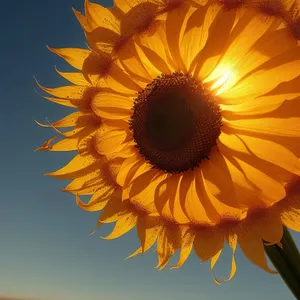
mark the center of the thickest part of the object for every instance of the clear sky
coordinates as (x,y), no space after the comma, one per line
(46,252)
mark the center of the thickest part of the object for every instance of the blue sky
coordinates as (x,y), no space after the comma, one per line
(46,252)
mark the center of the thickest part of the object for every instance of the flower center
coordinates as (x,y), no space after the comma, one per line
(175,123)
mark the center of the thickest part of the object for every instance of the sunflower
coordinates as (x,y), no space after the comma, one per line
(187,124)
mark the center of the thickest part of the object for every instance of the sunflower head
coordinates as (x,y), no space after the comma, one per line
(187,124)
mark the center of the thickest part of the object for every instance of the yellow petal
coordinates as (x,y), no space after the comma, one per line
(132,63)
(145,195)
(208,242)
(249,28)
(81,132)
(91,184)
(269,226)
(132,168)
(195,34)
(127,151)
(294,17)
(253,182)
(233,269)
(257,106)
(169,240)
(114,210)
(74,56)
(82,20)
(270,45)
(289,127)
(99,16)
(80,182)
(155,50)
(96,66)
(123,225)
(221,22)
(162,197)
(214,209)
(135,253)
(291,218)
(146,56)
(112,106)
(145,185)
(191,199)
(64,102)
(218,179)
(167,200)
(287,88)
(127,170)
(283,67)
(89,189)
(177,208)
(276,7)
(68,121)
(185,248)
(256,149)
(148,229)
(139,19)
(126,5)
(201,2)
(80,164)
(95,204)
(108,141)
(213,262)
(67,144)
(290,208)
(163,251)
(173,33)
(103,43)
(72,92)
(252,246)
(74,77)
(232,240)
(120,82)
(83,122)
(123,5)
(74,96)
(46,146)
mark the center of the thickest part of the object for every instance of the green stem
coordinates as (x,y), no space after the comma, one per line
(286,260)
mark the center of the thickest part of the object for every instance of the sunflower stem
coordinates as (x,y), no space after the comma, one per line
(286,260)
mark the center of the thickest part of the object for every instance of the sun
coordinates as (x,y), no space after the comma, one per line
(187,124)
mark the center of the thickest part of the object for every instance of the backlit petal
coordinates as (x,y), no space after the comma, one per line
(208,242)
(122,226)
(272,126)
(262,150)
(284,67)
(109,141)
(74,56)
(112,105)
(148,229)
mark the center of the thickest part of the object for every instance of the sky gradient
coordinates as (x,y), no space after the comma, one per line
(46,250)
